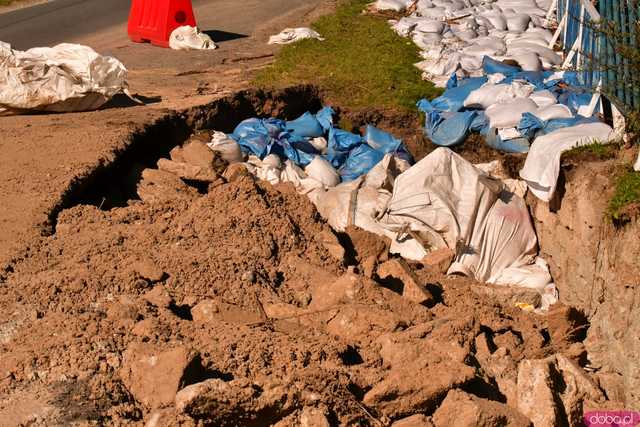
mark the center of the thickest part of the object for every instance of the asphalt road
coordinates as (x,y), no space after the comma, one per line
(80,20)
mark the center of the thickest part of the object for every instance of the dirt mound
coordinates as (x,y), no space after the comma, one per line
(233,303)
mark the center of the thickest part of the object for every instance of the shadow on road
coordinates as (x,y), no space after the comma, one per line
(224,36)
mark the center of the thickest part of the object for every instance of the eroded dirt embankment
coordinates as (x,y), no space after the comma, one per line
(233,303)
(595,265)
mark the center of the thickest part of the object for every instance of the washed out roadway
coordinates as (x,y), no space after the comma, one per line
(41,155)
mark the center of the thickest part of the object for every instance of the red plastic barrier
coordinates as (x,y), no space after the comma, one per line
(154,20)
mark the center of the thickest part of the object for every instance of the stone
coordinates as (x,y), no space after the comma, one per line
(176,155)
(343,290)
(187,171)
(331,243)
(159,297)
(148,270)
(123,311)
(159,186)
(439,260)
(313,417)
(411,287)
(153,375)
(416,388)
(197,153)
(461,409)
(235,172)
(205,311)
(536,399)
(417,420)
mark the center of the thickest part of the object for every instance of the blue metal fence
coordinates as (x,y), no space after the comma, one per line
(593,55)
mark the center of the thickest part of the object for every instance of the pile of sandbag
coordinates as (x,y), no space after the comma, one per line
(309,144)
(542,113)
(455,35)
(66,77)
(442,203)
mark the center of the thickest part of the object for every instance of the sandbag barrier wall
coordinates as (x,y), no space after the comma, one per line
(595,56)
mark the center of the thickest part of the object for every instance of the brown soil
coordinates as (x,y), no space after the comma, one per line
(234,291)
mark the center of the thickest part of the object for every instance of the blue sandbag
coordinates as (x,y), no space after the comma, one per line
(531,126)
(493,140)
(453,99)
(325,118)
(574,100)
(491,66)
(287,150)
(255,143)
(342,140)
(381,140)
(360,161)
(453,81)
(306,126)
(450,129)
(267,127)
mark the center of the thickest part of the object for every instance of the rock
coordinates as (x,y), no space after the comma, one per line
(159,297)
(313,417)
(439,260)
(332,245)
(464,410)
(369,265)
(355,321)
(145,328)
(209,311)
(187,171)
(159,419)
(396,269)
(238,402)
(154,376)
(123,311)
(205,311)
(544,402)
(417,420)
(159,186)
(147,270)
(176,155)
(343,290)
(236,172)
(197,153)
(416,388)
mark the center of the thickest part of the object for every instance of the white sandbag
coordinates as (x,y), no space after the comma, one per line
(528,61)
(509,133)
(269,169)
(190,38)
(440,67)
(395,5)
(497,20)
(509,114)
(292,35)
(543,98)
(404,26)
(490,94)
(430,26)
(432,12)
(322,171)
(542,167)
(556,111)
(319,144)
(466,35)
(546,54)
(426,41)
(64,78)
(227,147)
(445,200)
(518,22)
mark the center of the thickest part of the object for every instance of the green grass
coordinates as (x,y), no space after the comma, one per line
(627,194)
(595,151)
(362,62)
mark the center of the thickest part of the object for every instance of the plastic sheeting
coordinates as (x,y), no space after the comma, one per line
(190,38)
(64,78)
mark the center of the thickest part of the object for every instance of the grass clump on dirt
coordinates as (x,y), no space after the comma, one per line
(362,62)
(625,203)
(592,152)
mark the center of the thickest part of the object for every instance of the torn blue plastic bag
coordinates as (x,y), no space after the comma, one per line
(491,66)
(453,99)
(531,126)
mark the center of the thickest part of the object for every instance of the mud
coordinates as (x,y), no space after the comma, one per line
(234,303)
